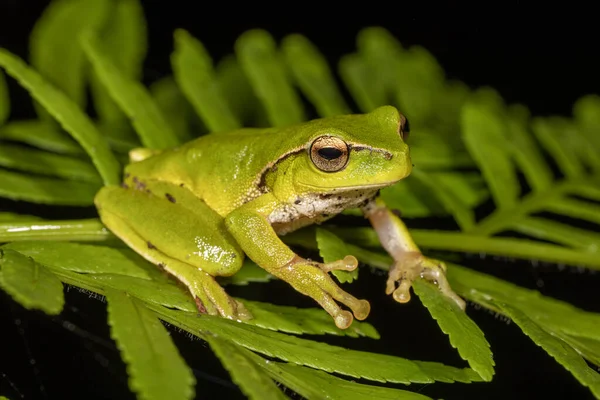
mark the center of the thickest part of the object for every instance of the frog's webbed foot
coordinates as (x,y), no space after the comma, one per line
(312,279)
(212,299)
(412,266)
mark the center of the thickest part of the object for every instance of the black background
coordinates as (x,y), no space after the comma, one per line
(544,57)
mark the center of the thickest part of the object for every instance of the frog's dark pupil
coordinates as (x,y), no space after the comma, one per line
(330,153)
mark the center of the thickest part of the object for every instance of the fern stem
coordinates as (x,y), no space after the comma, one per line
(506,247)
(469,243)
(503,217)
(75,230)
(576,209)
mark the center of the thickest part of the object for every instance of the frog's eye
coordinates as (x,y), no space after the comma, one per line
(404,127)
(329,153)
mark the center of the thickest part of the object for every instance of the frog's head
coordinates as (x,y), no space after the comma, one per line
(355,152)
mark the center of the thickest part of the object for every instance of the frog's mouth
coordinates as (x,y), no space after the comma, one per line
(371,186)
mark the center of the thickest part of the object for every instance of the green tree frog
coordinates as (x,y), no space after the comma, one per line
(197,210)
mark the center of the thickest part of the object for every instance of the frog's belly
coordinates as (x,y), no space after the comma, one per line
(316,208)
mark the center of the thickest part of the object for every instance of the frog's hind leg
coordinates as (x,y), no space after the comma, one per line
(185,243)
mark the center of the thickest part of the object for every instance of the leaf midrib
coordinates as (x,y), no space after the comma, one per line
(534,201)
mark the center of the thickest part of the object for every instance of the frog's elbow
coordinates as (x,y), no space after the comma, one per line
(142,153)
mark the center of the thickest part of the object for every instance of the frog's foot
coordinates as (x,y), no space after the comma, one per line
(211,298)
(312,279)
(415,265)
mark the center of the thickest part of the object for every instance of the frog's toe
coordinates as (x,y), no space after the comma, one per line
(204,305)
(438,276)
(360,308)
(242,312)
(348,263)
(342,318)
(231,309)
(312,281)
(401,293)
(416,266)
(212,299)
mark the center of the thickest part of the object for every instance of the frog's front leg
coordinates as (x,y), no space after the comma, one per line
(409,263)
(170,227)
(250,226)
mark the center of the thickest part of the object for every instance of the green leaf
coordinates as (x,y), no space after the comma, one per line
(551,313)
(413,198)
(132,97)
(121,137)
(44,163)
(155,368)
(468,187)
(160,292)
(237,91)
(123,40)
(503,246)
(559,350)
(312,321)
(550,131)
(174,106)
(454,205)
(588,348)
(333,249)
(251,379)
(21,228)
(556,198)
(559,233)
(14,217)
(313,75)
(382,53)
(584,188)
(420,86)
(587,117)
(52,51)
(37,189)
(464,334)
(257,54)
(82,258)
(315,384)
(366,89)
(4,100)
(67,113)
(574,208)
(194,73)
(42,135)
(528,156)
(29,283)
(358,364)
(411,77)
(432,150)
(483,133)
(446,374)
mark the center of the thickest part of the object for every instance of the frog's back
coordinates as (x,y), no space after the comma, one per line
(223,169)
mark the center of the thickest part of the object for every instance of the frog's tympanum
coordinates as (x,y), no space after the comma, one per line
(197,210)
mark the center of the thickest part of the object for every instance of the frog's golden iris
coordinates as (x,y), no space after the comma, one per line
(329,153)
